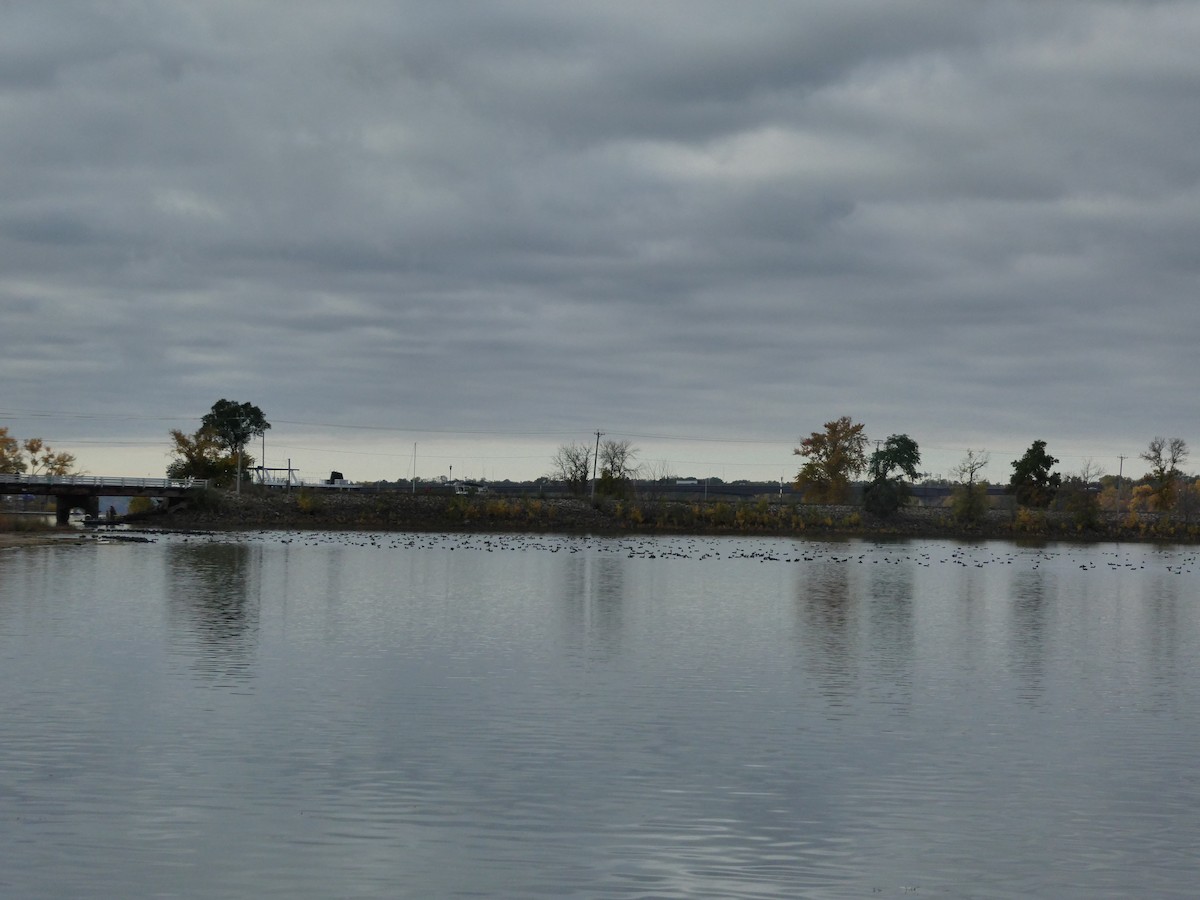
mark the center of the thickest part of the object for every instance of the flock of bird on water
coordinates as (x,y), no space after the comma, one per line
(775,550)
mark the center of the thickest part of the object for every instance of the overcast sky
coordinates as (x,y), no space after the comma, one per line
(488,229)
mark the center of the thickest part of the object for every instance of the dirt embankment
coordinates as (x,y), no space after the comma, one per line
(439,512)
(394,511)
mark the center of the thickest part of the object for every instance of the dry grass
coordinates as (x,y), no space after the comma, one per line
(14,524)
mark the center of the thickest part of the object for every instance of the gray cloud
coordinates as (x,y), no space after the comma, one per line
(974,223)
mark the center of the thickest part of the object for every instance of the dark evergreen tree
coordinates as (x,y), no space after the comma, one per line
(1032,481)
(886,492)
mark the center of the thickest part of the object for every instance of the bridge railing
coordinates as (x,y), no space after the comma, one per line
(95,481)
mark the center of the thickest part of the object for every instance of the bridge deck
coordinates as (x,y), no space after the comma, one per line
(72,491)
(97,485)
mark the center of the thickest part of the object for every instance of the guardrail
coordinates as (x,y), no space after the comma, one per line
(105,481)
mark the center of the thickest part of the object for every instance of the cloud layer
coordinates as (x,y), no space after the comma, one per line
(498,227)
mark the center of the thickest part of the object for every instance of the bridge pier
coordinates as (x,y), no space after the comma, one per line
(64,503)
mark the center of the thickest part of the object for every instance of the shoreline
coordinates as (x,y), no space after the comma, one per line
(346,511)
(12,539)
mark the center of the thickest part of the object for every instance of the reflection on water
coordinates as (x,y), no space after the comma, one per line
(213,599)
(1164,628)
(438,716)
(829,629)
(1029,631)
(856,627)
(593,597)
(892,632)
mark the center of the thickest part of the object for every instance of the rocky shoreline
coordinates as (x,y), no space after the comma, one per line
(349,511)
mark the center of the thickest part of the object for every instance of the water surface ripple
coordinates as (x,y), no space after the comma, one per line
(396,715)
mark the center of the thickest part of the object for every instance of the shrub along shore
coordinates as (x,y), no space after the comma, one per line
(344,511)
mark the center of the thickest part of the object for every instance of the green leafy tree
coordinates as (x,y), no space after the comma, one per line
(1189,498)
(1032,481)
(1080,499)
(1165,457)
(887,469)
(834,456)
(233,425)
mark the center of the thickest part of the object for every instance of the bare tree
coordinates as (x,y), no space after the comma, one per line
(1091,471)
(655,475)
(974,462)
(970,498)
(617,467)
(572,464)
(617,460)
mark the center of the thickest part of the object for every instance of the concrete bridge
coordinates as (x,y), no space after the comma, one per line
(84,491)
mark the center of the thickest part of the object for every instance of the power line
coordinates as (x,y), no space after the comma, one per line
(405,455)
(689,438)
(398,430)
(116,417)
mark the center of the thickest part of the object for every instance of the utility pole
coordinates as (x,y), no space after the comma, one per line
(1120,473)
(595,463)
(414,477)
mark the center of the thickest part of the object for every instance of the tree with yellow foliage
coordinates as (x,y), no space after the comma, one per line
(33,456)
(11,460)
(834,456)
(1165,457)
(203,456)
(44,460)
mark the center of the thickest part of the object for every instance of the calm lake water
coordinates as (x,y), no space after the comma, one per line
(362,716)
